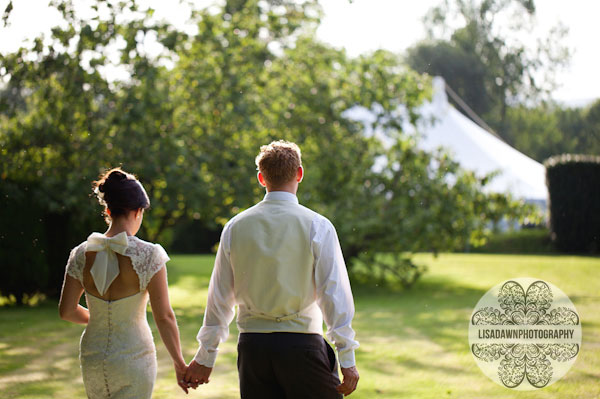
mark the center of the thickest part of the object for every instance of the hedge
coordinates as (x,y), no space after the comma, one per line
(574,188)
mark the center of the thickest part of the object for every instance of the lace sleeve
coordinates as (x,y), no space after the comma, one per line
(76,262)
(147,259)
(157,261)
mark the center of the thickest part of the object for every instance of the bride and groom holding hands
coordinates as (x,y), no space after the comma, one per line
(280,263)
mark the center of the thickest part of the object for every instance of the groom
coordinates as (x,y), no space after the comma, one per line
(282,265)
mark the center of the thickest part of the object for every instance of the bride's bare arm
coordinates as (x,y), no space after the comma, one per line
(68,307)
(166,323)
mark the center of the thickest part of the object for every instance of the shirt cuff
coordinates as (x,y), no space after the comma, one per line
(205,358)
(347,359)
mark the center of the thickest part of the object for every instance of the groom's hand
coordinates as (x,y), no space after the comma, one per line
(197,374)
(348,385)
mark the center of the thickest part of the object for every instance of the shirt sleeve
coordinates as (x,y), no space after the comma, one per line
(334,295)
(220,304)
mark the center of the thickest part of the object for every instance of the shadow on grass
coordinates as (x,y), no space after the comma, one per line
(38,354)
(434,309)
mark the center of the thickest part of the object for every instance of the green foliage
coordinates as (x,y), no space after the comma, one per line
(389,270)
(573,182)
(589,135)
(417,202)
(547,129)
(523,241)
(59,123)
(465,72)
(536,131)
(252,73)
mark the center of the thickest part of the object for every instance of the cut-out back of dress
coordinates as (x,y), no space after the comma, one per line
(126,284)
(117,353)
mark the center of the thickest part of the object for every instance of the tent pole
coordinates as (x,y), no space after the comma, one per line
(470,112)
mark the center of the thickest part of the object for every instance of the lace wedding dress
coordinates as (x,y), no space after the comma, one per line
(116,351)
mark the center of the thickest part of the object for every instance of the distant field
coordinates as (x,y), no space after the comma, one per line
(413,343)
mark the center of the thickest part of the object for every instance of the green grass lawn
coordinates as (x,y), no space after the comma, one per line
(413,343)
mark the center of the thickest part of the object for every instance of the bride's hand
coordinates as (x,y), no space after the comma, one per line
(180,370)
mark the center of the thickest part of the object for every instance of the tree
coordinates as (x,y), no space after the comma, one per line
(536,131)
(488,57)
(253,73)
(463,71)
(590,142)
(548,129)
(62,121)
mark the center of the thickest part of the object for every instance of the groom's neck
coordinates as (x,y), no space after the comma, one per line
(291,187)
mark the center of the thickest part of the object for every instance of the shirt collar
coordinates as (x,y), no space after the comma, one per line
(280,196)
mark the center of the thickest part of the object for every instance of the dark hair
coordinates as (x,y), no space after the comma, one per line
(120,192)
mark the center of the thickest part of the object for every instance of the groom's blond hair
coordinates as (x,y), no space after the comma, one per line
(279,162)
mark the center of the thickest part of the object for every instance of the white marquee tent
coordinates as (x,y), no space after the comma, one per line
(479,150)
(473,147)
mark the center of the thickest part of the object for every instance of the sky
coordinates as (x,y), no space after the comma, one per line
(366,25)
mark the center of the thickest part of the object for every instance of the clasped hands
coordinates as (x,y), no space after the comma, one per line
(192,375)
(195,374)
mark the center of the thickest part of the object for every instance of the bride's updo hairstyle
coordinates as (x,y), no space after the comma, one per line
(120,192)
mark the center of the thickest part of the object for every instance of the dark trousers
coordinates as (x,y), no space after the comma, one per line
(286,366)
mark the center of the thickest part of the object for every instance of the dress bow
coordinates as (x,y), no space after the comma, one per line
(106,265)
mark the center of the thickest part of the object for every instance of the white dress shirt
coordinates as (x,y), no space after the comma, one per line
(332,289)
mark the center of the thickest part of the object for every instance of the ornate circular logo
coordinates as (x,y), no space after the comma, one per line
(525,334)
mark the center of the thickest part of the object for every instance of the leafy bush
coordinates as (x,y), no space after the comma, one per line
(393,270)
(524,241)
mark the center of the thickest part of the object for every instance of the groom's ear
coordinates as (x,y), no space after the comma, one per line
(261,179)
(300,174)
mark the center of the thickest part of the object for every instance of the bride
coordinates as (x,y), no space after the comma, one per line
(118,272)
